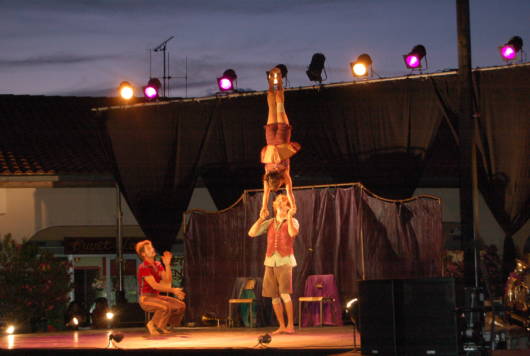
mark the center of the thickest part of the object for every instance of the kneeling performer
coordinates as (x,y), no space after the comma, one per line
(153,278)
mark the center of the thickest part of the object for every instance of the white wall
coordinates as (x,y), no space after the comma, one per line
(25,211)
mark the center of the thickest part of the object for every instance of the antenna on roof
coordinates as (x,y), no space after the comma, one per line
(165,63)
(166,76)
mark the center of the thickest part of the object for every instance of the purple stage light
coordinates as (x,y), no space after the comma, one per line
(150,92)
(225,84)
(508,52)
(226,81)
(413,58)
(510,49)
(412,61)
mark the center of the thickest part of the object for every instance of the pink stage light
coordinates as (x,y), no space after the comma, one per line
(414,57)
(510,49)
(150,92)
(152,89)
(412,61)
(508,52)
(226,81)
(225,84)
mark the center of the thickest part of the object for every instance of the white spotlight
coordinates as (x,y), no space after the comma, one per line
(351,302)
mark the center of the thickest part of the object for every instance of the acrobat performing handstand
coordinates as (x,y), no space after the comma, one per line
(282,229)
(276,155)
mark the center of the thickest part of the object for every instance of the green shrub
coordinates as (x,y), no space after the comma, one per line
(34,284)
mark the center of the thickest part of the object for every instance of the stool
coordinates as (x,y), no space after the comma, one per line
(239,301)
(320,300)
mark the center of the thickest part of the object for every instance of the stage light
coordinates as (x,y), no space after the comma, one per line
(352,309)
(351,302)
(283,70)
(10,329)
(511,48)
(314,72)
(151,90)
(414,57)
(226,81)
(116,337)
(264,339)
(126,91)
(109,315)
(362,66)
(75,321)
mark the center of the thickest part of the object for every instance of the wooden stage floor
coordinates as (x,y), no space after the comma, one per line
(205,340)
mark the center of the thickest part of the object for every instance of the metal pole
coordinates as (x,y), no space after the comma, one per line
(465,128)
(119,246)
(164,70)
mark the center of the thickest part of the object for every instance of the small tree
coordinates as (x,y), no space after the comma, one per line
(34,284)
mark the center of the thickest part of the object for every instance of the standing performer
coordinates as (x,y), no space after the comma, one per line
(279,260)
(275,155)
(153,278)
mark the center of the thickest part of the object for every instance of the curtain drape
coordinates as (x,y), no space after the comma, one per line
(339,227)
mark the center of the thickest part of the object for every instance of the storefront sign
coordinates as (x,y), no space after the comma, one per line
(97,245)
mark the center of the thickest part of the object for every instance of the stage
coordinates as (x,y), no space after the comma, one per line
(198,340)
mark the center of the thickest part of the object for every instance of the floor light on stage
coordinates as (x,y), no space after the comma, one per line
(10,329)
(264,340)
(115,338)
(73,323)
(362,67)
(352,309)
(510,50)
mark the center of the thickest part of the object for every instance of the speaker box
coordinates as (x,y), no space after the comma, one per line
(408,317)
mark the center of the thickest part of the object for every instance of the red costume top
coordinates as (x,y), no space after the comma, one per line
(279,240)
(279,147)
(149,269)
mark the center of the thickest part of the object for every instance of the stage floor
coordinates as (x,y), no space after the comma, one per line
(207,340)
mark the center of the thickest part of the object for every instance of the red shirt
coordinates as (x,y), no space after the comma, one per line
(149,269)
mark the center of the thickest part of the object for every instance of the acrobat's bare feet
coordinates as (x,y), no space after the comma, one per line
(165,331)
(152,329)
(280,330)
(288,331)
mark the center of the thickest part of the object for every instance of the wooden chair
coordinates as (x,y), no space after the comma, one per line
(249,285)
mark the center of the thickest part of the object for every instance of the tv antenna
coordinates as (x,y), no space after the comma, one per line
(165,65)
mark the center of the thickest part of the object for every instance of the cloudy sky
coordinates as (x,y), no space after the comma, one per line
(86,47)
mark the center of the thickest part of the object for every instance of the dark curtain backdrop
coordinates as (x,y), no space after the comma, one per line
(339,226)
(504,144)
(378,133)
(154,152)
(503,138)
